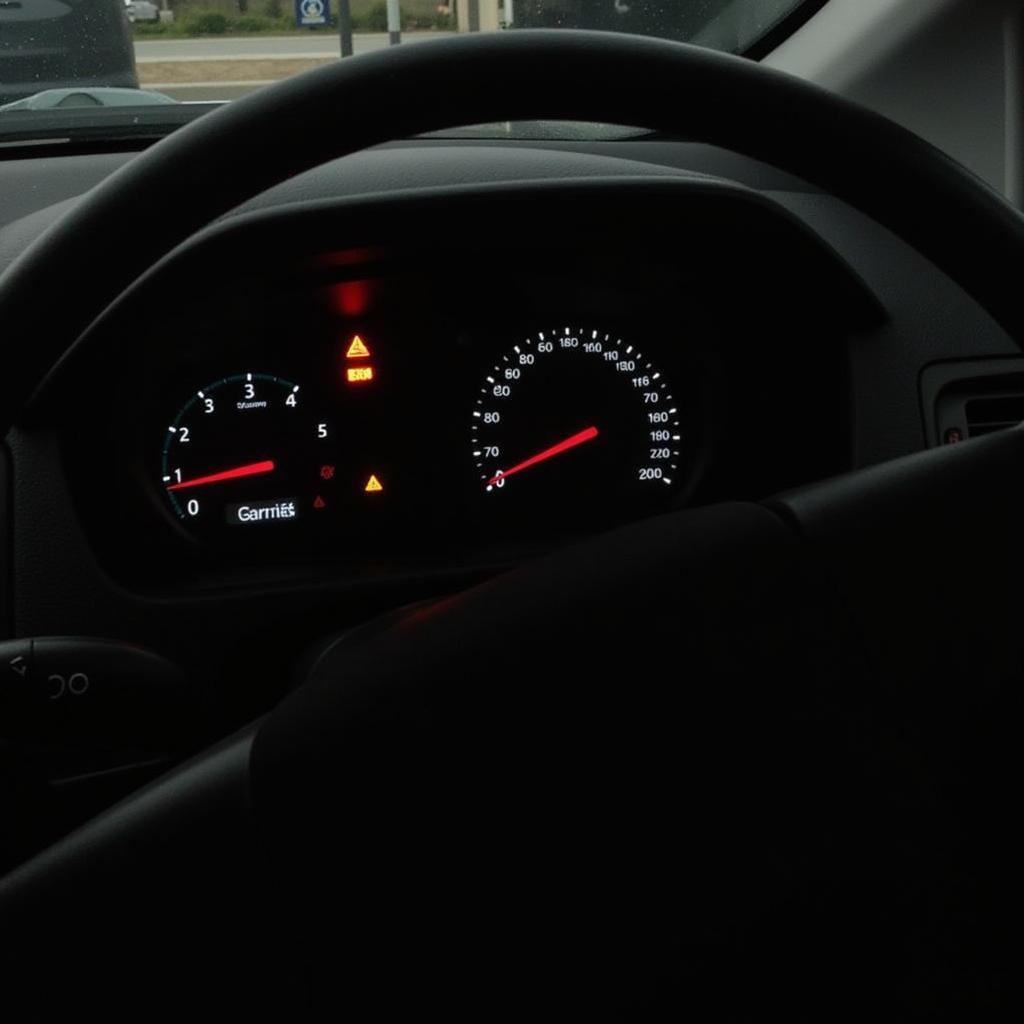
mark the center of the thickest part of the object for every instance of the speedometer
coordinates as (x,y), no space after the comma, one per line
(575,416)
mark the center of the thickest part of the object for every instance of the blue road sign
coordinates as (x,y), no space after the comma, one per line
(312,12)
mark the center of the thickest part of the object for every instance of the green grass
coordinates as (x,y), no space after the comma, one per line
(267,17)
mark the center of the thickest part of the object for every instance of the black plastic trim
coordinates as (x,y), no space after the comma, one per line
(783,29)
(373,223)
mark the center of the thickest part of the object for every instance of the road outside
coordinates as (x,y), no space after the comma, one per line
(225,68)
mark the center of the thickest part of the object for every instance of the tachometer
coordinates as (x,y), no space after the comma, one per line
(572,416)
(244,451)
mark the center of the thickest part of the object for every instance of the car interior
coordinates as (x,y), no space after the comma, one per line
(522,524)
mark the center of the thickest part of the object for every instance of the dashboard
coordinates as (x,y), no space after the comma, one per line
(395,406)
(411,369)
(790,331)
(368,418)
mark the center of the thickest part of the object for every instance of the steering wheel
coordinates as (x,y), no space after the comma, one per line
(512,799)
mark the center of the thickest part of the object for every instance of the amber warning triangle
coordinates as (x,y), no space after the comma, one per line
(358,349)
(373,484)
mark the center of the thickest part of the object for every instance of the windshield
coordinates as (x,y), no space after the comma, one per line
(60,56)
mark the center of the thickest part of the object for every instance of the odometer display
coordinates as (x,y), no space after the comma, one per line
(572,419)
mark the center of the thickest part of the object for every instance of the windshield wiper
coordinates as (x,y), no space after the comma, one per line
(88,125)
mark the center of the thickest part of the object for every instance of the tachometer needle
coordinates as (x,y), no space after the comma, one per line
(549,453)
(252,469)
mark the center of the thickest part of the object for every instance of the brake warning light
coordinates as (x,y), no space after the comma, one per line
(358,374)
(357,349)
(373,485)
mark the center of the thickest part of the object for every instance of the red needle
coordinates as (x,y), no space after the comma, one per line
(549,453)
(252,469)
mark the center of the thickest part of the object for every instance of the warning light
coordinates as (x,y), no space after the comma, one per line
(358,349)
(319,502)
(373,485)
(359,374)
(326,472)
(352,298)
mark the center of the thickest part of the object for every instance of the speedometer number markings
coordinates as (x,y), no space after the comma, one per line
(587,397)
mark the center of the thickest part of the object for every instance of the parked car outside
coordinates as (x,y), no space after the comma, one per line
(48,44)
(141,10)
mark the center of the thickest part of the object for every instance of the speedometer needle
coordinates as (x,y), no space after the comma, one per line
(252,469)
(549,453)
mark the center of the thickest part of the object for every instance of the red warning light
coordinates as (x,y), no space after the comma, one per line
(319,502)
(352,298)
(357,349)
(327,472)
(359,374)
(373,485)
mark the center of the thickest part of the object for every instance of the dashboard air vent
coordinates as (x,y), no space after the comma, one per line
(985,415)
(970,399)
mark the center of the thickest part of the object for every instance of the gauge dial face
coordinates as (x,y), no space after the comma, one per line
(243,451)
(575,418)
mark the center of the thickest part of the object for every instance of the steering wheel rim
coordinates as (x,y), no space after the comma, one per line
(868,161)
